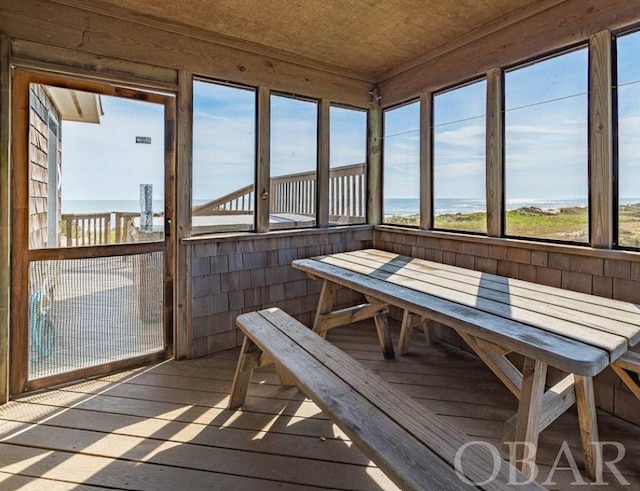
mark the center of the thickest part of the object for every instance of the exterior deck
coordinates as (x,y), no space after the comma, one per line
(166,427)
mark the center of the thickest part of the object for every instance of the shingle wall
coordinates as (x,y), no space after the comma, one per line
(230,277)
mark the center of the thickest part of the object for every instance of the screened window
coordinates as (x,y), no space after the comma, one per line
(401,147)
(294,142)
(628,48)
(459,148)
(347,175)
(224,120)
(546,163)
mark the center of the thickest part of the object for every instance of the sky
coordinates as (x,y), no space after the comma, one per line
(104,162)
(545,137)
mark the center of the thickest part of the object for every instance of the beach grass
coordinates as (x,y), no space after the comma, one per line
(569,224)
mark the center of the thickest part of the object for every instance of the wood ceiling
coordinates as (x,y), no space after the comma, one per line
(367,38)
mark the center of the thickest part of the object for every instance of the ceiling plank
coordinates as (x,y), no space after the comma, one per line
(69,27)
(563,25)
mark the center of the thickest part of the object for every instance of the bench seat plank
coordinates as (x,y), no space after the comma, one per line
(373,398)
(614,344)
(610,321)
(405,460)
(559,351)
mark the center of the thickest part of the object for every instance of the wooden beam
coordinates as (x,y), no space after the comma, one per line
(170,190)
(323,163)
(561,25)
(46,57)
(633,386)
(498,364)
(19,233)
(529,413)
(374,161)
(105,35)
(263,172)
(117,11)
(183,327)
(5,214)
(426,163)
(350,315)
(495,153)
(325,305)
(601,140)
(248,360)
(585,400)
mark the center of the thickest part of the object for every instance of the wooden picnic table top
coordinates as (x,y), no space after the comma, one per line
(575,332)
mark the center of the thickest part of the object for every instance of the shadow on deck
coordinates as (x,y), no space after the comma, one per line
(166,426)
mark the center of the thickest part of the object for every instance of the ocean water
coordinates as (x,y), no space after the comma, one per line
(105,205)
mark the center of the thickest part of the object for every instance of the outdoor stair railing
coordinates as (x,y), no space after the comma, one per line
(290,194)
(296,194)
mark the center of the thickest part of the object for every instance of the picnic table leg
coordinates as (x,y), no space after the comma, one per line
(405,332)
(325,306)
(247,361)
(529,411)
(586,404)
(382,326)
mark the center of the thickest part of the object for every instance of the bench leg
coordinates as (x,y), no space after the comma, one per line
(586,403)
(249,355)
(286,380)
(529,413)
(325,306)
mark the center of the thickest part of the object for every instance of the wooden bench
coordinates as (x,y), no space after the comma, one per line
(628,369)
(413,447)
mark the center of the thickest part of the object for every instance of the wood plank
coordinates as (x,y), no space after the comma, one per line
(184,253)
(499,365)
(76,28)
(630,360)
(421,423)
(561,352)
(624,324)
(35,483)
(529,412)
(325,306)
(25,53)
(616,309)
(518,309)
(426,160)
(243,374)
(495,153)
(585,401)
(604,307)
(410,465)
(70,466)
(601,139)
(374,160)
(324,132)
(350,315)
(5,214)
(631,384)
(252,440)
(263,172)
(19,233)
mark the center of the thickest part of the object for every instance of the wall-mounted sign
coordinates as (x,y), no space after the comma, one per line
(143,139)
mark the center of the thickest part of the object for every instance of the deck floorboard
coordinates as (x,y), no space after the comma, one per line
(167,426)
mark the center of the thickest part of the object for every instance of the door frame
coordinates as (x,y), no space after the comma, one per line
(21,255)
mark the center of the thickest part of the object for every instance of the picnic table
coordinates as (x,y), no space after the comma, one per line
(577,333)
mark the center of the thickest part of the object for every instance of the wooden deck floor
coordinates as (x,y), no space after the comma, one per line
(166,427)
